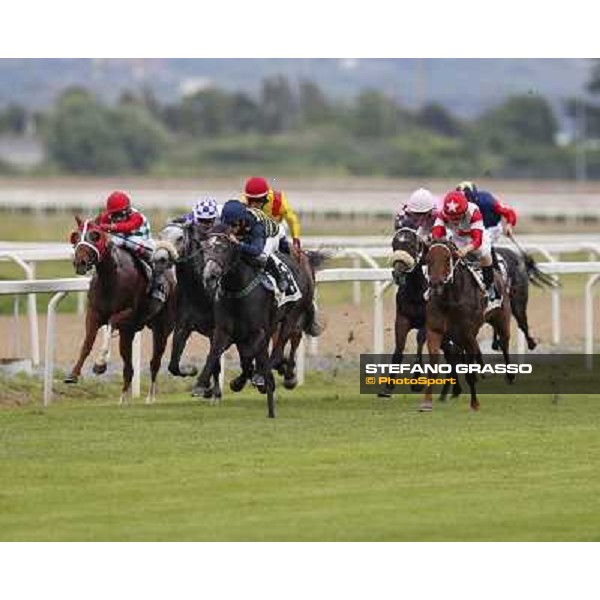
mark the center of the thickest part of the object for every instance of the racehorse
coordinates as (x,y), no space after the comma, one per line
(194,307)
(407,273)
(521,270)
(118,298)
(457,309)
(247,314)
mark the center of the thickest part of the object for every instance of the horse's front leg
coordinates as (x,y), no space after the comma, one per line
(220,341)
(125,348)
(401,329)
(101,362)
(160,334)
(180,337)
(290,381)
(92,324)
(434,343)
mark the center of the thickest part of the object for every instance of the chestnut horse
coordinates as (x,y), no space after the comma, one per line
(118,298)
(456,309)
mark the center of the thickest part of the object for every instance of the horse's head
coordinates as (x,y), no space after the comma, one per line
(171,245)
(220,255)
(441,261)
(90,243)
(407,252)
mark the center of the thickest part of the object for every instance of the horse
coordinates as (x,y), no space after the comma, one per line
(247,314)
(521,270)
(457,308)
(407,273)
(118,298)
(194,307)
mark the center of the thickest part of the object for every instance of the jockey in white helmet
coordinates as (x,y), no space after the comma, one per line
(421,210)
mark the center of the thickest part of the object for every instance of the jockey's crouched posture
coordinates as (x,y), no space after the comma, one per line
(461,220)
(259,237)
(420,211)
(130,229)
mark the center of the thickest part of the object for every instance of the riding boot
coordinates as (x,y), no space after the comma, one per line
(280,276)
(490,286)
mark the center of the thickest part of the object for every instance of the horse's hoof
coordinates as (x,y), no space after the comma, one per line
(99,368)
(510,378)
(237,384)
(199,390)
(280,368)
(290,383)
(495,346)
(71,379)
(384,395)
(258,381)
(475,407)
(456,393)
(188,371)
(531,344)
(426,406)
(208,393)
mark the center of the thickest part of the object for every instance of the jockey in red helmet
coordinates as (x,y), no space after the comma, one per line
(130,229)
(258,194)
(461,220)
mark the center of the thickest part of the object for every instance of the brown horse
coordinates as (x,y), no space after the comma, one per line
(118,298)
(457,309)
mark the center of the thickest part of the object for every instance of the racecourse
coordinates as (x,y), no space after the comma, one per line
(333,465)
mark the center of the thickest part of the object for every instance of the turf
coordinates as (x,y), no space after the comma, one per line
(334,465)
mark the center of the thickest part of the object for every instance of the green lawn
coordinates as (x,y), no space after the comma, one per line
(334,465)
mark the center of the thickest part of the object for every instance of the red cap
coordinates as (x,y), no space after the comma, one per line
(117,202)
(256,187)
(455,204)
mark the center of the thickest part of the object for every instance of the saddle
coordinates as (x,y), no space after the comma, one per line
(293,293)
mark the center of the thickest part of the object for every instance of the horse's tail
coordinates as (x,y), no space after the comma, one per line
(537,277)
(317,258)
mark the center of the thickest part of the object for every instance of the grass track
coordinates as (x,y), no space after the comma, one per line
(334,465)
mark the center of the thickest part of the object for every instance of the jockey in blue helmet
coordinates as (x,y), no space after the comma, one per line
(258,237)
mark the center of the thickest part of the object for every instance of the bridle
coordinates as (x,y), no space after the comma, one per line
(83,242)
(454,262)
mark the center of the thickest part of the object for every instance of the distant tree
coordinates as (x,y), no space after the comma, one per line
(520,119)
(204,113)
(85,137)
(278,105)
(375,115)
(593,85)
(13,119)
(142,137)
(244,114)
(315,108)
(437,118)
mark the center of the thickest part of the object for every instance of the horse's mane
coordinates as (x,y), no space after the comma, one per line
(220,228)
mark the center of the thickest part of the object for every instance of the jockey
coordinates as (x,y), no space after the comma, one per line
(259,195)
(463,221)
(130,229)
(420,210)
(258,237)
(498,218)
(205,214)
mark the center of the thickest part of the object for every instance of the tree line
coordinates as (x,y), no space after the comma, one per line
(299,129)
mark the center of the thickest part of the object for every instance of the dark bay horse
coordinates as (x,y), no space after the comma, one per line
(457,309)
(407,272)
(194,307)
(118,298)
(247,314)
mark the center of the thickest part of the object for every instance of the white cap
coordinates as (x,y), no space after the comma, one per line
(421,201)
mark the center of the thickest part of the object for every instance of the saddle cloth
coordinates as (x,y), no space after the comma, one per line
(292,294)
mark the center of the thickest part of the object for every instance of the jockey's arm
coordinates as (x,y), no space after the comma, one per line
(290,217)
(505,212)
(438,231)
(257,241)
(133,222)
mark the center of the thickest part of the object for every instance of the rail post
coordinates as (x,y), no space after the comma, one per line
(50,333)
